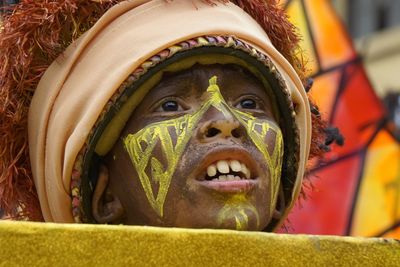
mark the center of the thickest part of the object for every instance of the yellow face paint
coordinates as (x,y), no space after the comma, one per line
(141,145)
(257,130)
(238,207)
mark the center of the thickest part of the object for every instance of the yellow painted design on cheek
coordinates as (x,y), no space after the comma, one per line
(257,130)
(238,208)
(140,146)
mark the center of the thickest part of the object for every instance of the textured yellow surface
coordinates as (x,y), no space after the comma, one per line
(39,244)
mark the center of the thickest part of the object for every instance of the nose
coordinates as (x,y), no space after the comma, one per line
(213,130)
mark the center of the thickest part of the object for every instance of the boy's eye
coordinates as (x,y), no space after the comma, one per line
(248,103)
(170,105)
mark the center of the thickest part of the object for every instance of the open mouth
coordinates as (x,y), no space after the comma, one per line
(227,170)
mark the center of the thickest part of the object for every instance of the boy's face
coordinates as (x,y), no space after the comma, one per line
(202,150)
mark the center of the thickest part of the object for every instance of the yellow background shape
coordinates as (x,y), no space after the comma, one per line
(378,201)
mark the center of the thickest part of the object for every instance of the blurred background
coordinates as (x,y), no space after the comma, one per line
(375,27)
(353,53)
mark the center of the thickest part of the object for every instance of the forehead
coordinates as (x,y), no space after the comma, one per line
(232,80)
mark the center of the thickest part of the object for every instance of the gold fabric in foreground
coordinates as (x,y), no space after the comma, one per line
(47,244)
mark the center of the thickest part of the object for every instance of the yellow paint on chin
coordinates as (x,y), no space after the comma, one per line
(237,208)
(140,147)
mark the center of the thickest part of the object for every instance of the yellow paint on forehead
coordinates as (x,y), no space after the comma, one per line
(140,146)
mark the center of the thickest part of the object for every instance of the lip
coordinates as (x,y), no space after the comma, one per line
(242,186)
(228,153)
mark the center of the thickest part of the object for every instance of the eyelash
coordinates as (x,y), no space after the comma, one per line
(258,102)
(158,107)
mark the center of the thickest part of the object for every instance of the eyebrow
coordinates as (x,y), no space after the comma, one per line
(173,85)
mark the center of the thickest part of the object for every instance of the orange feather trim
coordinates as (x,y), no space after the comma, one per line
(32,36)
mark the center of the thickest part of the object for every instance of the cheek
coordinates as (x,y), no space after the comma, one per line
(155,152)
(274,142)
(146,150)
(267,138)
(124,183)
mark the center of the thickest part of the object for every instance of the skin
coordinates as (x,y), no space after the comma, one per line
(170,189)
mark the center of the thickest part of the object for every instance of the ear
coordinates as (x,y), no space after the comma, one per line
(106,206)
(280,204)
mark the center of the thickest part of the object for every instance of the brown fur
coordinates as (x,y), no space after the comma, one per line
(32,37)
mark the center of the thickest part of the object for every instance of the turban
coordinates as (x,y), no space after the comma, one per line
(75,92)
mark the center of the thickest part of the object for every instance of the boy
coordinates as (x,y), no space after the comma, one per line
(178,113)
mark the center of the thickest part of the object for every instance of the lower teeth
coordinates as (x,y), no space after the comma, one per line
(227,178)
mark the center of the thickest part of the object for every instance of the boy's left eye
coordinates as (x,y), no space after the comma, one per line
(247,103)
(169,106)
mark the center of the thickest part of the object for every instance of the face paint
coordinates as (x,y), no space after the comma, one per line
(140,147)
(141,156)
(257,130)
(237,207)
(149,136)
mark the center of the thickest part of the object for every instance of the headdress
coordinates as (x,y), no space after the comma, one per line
(84,97)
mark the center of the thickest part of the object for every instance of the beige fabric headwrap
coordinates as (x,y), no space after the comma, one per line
(76,87)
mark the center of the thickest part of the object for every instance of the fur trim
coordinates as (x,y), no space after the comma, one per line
(32,36)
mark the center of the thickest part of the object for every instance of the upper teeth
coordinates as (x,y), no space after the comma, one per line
(227,166)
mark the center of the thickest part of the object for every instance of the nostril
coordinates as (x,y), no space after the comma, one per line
(211,132)
(236,133)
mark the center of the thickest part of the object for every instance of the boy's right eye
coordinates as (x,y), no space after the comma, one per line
(170,105)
